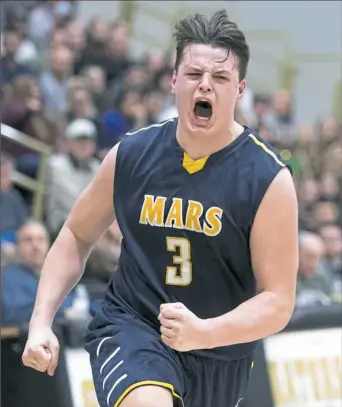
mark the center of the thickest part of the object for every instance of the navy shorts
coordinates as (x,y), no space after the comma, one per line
(126,353)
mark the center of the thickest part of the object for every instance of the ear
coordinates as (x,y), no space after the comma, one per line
(242,87)
(173,81)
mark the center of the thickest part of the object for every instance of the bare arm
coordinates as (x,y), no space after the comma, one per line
(90,217)
(274,250)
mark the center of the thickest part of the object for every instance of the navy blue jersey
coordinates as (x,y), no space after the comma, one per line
(186,225)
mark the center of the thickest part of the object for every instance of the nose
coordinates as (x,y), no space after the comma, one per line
(205,85)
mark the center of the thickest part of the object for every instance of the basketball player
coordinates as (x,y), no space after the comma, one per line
(209,258)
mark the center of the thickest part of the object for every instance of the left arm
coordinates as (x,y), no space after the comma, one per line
(274,252)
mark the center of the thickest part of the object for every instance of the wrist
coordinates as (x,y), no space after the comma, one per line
(208,334)
(40,319)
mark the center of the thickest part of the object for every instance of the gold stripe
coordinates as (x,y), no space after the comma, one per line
(193,166)
(149,127)
(148,383)
(266,149)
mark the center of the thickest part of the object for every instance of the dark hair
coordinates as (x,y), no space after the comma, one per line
(218,31)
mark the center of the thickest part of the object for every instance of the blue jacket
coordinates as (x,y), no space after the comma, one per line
(19,286)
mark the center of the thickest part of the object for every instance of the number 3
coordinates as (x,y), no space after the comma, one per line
(183,277)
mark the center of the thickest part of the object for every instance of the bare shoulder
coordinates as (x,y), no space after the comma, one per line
(280,197)
(107,168)
(274,236)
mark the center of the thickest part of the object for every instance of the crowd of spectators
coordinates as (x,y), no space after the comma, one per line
(78,89)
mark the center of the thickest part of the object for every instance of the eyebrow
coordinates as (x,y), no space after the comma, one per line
(219,72)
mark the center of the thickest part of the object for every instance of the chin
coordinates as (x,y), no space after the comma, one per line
(200,126)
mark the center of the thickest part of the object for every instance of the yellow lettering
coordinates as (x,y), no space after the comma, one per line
(152,211)
(193,214)
(213,225)
(175,216)
(310,380)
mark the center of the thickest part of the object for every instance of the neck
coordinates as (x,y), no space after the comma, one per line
(197,145)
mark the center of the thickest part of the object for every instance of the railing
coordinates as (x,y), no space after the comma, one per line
(35,185)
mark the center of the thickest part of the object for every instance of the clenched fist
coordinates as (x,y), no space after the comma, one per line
(41,350)
(181,329)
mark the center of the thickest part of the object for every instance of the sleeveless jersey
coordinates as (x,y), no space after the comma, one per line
(186,225)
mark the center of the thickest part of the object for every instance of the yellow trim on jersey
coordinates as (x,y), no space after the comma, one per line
(131,133)
(252,365)
(193,166)
(148,383)
(266,149)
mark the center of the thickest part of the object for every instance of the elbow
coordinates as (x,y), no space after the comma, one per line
(284,311)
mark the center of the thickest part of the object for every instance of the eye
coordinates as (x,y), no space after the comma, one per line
(194,75)
(221,78)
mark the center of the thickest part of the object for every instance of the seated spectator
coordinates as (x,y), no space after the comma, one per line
(23,110)
(10,67)
(53,83)
(80,101)
(117,59)
(40,24)
(102,263)
(19,281)
(96,80)
(13,208)
(94,51)
(153,101)
(332,238)
(329,188)
(314,285)
(70,173)
(325,213)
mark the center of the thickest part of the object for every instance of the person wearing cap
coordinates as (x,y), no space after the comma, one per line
(69,174)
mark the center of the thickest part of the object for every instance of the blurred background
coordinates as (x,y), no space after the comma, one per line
(77,75)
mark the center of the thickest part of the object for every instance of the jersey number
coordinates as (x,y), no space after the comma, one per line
(181,275)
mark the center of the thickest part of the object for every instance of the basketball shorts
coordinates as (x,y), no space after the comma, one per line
(126,353)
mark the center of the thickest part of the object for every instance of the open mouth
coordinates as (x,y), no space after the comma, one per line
(203,109)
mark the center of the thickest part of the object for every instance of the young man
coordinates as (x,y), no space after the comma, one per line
(209,258)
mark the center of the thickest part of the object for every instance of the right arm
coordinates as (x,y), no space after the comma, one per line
(91,216)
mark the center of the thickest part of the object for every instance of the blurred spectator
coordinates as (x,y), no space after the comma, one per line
(70,173)
(153,101)
(53,83)
(20,280)
(282,107)
(134,78)
(23,109)
(40,24)
(308,193)
(329,188)
(75,37)
(325,212)
(80,101)
(94,52)
(13,208)
(10,67)
(314,284)
(332,238)
(97,83)
(102,263)
(117,56)
(14,12)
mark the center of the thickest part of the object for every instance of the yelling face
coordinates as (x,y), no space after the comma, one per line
(207,88)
